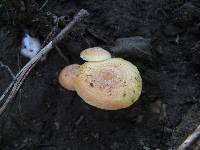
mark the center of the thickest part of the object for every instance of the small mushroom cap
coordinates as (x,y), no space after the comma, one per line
(67,76)
(111,84)
(95,54)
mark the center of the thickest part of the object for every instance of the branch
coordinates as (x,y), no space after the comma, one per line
(14,86)
(188,143)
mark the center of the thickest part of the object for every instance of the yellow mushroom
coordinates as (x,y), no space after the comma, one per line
(67,75)
(110,84)
(104,82)
(95,54)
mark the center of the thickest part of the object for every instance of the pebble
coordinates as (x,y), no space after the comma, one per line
(146,148)
(30,46)
(57,125)
(137,47)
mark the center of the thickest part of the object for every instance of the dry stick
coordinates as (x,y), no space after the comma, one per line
(15,88)
(188,143)
(20,90)
(8,88)
(27,68)
(21,76)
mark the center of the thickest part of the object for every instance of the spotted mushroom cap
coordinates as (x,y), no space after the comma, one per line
(111,84)
(95,54)
(67,75)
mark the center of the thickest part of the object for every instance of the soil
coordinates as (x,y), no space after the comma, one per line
(44,116)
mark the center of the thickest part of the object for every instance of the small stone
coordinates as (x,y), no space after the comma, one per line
(135,47)
(146,148)
(30,46)
(57,125)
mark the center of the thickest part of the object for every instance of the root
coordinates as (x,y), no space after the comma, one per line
(8,69)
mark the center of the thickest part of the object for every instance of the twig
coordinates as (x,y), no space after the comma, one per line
(80,119)
(20,90)
(61,54)
(44,4)
(188,143)
(8,69)
(20,77)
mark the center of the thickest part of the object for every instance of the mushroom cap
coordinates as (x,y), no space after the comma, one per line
(67,76)
(95,54)
(111,84)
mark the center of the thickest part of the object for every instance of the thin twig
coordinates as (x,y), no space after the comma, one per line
(61,54)
(188,143)
(21,76)
(20,90)
(8,69)
(44,4)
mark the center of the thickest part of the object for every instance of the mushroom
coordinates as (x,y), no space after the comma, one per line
(104,82)
(110,84)
(95,54)
(67,76)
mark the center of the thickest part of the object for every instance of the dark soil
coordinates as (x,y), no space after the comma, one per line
(44,116)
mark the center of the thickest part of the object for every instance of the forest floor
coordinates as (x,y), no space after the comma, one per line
(44,116)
